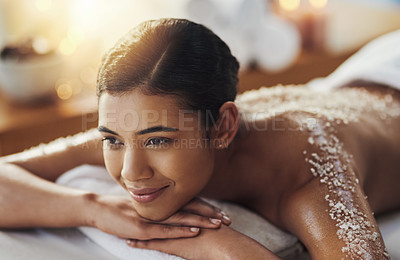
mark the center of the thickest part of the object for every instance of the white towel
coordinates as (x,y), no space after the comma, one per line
(95,179)
(378,61)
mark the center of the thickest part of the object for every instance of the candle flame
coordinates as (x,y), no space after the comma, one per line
(289,5)
(318,4)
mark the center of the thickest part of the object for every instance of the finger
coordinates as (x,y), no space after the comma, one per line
(203,208)
(161,231)
(189,219)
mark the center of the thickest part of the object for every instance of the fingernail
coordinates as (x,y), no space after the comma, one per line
(227,218)
(215,221)
(194,229)
(223,213)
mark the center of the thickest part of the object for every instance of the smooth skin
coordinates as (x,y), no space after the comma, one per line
(245,166)
(30,198)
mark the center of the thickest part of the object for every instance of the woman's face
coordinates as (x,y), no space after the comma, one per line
(150,143)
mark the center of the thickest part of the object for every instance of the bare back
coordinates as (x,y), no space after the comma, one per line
(320,153)
(365,119)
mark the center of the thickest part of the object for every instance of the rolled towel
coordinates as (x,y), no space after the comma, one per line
(97,179)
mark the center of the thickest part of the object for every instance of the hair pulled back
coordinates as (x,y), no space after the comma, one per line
(172,57)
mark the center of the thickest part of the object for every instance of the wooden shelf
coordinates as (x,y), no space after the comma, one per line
(24,126)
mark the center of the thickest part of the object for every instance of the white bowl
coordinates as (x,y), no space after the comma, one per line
(31,79)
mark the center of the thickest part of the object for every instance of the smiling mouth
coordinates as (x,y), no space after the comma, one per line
(146,195)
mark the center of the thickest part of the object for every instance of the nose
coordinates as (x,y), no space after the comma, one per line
(135,165)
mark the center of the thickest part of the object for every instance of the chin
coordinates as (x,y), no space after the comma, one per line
(158,211)
(153,214)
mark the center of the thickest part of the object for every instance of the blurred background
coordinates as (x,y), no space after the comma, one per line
(50,50)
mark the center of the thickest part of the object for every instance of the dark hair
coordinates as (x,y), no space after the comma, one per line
(172,57)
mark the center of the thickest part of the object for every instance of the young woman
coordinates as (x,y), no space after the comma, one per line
(173,129)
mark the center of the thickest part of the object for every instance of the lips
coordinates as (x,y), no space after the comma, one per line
(146,194)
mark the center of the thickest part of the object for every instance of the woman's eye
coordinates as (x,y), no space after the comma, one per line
(158,142)
(112,142)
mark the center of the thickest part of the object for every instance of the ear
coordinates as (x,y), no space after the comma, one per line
(226,126)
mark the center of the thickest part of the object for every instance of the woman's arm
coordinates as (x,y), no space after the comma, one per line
(220,244)
(332,217)
(29,201)
(28,196)
(323,202)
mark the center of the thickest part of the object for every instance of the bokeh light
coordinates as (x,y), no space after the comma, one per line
(40,45)
(319,4)
(289,5)
(64,91)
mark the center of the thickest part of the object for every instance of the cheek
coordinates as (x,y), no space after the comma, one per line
(113,163)
(189,169)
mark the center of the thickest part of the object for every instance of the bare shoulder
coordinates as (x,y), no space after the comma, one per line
(320,143)
(358,120)
(285,142)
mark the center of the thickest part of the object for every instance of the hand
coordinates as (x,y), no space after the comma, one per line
(203,246)
(116,215)
(222,243)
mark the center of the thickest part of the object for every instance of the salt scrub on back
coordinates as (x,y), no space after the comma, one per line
(321,114)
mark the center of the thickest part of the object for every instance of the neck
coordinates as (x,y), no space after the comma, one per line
(226,182)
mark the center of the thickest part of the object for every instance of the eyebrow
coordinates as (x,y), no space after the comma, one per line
(105,129)
(159,128)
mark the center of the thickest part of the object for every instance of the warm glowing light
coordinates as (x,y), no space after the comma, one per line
(43,5)
(64,85)
(40,45)
(318,3)
(61,81)
(86,14)
(289,5)
(64,91)
(66,47)
(75,35)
